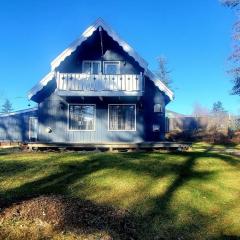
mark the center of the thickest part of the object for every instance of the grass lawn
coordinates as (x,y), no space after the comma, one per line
(189,195)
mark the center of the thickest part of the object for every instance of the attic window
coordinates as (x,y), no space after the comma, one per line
(91,67)
(112,67)
(158,108)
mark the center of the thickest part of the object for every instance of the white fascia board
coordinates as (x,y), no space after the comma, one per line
(99,23)
(38,87)
(19,112)
(158,83)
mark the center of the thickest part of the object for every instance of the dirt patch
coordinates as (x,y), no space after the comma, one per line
(71,214)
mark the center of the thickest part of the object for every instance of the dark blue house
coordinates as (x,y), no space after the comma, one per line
(99,90)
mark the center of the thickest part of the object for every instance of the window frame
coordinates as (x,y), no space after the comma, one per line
(92,61)
(135,120)
(81,130)
(118,67)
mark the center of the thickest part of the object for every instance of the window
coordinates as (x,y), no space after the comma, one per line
(157,108)
(122,117)
(156,128)
(82,117)
(91,67)
(112,67)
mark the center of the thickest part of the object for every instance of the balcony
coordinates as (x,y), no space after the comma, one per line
(82,84)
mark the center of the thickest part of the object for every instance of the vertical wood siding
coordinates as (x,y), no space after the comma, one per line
(16,127)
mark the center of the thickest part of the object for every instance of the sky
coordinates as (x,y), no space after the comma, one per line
(195,37)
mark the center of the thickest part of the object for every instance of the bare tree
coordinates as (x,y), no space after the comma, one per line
(199,110)
(163,72)
(235,56)
(231,3)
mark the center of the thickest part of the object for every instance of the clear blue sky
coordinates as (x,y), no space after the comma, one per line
(195,36)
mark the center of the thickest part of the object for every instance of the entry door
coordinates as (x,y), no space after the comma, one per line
(33,129)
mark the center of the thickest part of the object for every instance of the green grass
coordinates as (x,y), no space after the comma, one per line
(189,195)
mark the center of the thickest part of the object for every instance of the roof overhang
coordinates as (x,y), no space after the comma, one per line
(86,34)
(19,112)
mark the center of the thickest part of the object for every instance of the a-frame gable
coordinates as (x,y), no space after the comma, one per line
(86,34)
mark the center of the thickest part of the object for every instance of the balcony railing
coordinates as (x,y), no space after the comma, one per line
(100,84)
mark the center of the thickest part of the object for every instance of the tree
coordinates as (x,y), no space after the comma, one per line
(231,3)
(235,56)
(219,119)
(199,110)
(7,106)
(218,107)
(163,72)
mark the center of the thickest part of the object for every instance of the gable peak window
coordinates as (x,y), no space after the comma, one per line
(111,67)
(91,67)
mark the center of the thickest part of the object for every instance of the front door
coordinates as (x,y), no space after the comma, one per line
(33,129)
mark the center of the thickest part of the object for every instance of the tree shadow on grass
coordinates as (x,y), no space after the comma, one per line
(159,222)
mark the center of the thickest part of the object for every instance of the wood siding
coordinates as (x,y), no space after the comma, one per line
(16,127)
(53,114)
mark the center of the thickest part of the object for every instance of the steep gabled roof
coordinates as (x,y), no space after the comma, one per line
(86,34)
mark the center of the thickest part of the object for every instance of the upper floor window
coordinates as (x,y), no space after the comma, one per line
(91,67)
(112,67)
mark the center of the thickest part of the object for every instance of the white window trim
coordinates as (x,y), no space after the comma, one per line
(92,61)
(118,69)
(29,129)
(135,123)
(79,130)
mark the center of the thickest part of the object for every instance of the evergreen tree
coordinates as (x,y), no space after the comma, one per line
(218,107)
(7,107)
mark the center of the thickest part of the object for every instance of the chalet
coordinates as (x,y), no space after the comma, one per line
(99,90)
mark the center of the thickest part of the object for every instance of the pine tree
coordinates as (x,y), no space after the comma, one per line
(7,106)
(218,107)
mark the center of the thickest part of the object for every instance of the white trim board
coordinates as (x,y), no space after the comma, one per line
(86,34)
(18,112)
